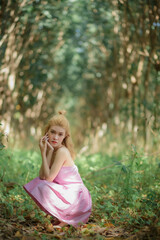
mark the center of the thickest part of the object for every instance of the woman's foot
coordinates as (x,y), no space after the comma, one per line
(55,221)
(60,225)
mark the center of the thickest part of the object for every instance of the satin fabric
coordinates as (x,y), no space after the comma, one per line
(66,197)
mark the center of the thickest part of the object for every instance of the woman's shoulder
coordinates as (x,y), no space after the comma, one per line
(66,154)
(64,150)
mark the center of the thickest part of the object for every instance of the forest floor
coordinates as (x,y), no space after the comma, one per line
(32,229)
(125,195)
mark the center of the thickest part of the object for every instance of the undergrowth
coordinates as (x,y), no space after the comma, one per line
(125,188)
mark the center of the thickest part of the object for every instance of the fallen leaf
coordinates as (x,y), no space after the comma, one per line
(92,225)
(85,231)
(32,215)
(49,228)
(18,234)
(100,229)
(109,225)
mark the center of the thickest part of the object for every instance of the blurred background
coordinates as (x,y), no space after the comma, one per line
(100,61)
(97,59)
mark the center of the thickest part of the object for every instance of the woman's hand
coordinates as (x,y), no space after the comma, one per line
(43,144)
(49,146)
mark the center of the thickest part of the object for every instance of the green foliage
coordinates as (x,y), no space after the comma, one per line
(2,135)
(125,189)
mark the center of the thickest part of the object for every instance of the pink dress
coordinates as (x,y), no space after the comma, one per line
(66,197)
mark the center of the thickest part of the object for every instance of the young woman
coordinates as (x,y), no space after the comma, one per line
(59,190)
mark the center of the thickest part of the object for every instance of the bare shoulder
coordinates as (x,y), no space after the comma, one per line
(67,156)
(63,150)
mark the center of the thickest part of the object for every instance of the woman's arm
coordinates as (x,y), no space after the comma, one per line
(49,157)
(60,158)
(44,144)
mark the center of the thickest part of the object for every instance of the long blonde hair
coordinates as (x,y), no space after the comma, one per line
(61,120)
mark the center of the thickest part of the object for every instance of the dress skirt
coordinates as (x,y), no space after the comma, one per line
(66,198)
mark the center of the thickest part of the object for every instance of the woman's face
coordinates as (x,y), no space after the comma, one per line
(56,136)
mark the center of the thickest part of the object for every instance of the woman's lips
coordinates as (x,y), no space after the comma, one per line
(54,142)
